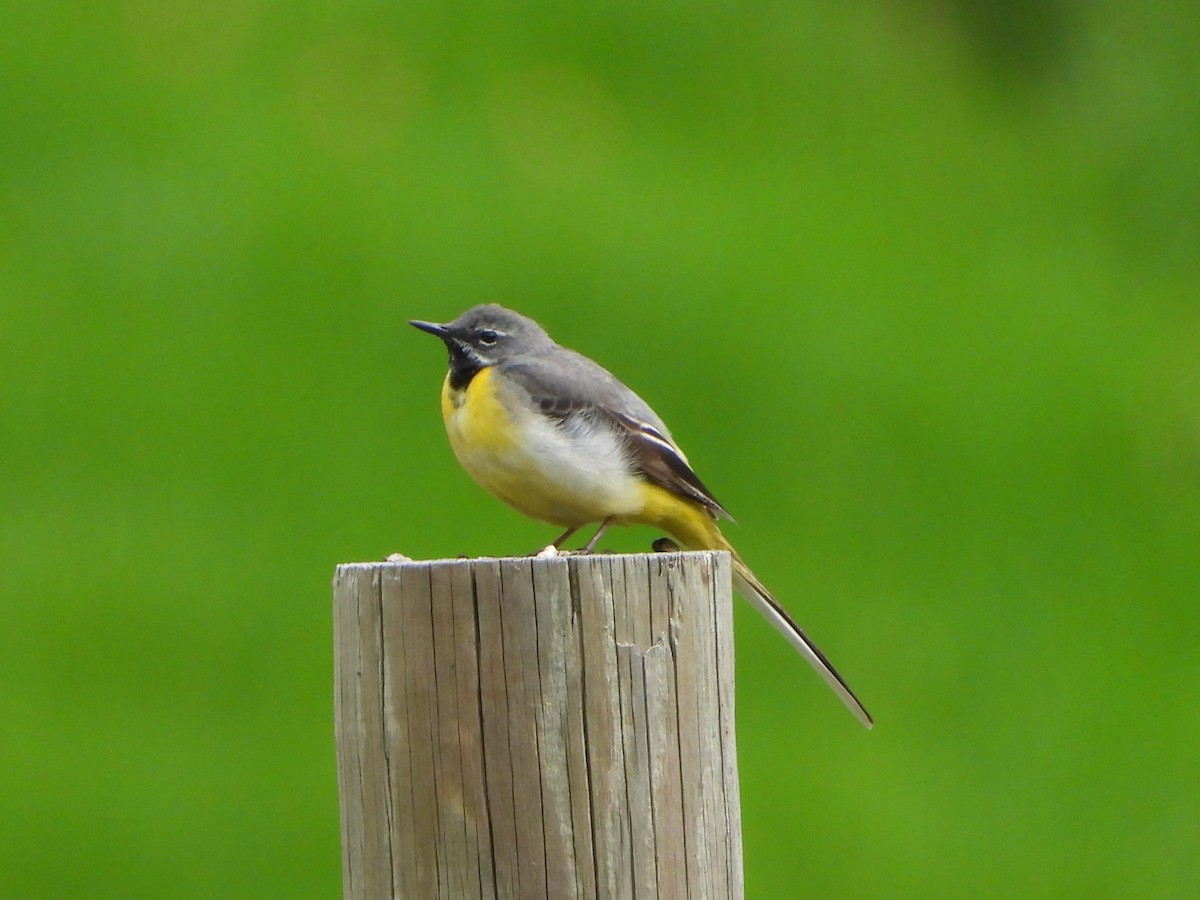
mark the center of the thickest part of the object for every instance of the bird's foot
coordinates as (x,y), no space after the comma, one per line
(551,551)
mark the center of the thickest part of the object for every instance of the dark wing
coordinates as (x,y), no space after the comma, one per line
(656,455)
(574,385)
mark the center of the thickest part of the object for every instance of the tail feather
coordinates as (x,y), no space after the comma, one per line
(695,528)
(752,589)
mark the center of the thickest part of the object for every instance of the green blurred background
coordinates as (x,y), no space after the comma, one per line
(915,285)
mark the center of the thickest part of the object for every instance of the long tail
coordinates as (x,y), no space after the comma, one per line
(752,589)
(694,528)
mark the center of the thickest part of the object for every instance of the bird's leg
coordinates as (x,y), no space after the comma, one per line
(590,545)
(552,549)
(585,550)
(562,538)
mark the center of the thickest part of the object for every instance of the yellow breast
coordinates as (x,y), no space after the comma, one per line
(566,475)
(476,420)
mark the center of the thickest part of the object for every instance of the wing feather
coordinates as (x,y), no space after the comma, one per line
(575,386)
(663,463)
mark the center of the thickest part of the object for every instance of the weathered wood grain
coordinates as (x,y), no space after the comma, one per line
(537,728)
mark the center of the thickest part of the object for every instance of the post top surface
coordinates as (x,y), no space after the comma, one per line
(396,561)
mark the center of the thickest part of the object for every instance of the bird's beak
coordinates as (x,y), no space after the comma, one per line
(442,331)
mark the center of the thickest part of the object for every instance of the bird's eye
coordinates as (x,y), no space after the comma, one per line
(488,337)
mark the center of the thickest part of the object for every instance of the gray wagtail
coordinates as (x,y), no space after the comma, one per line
(560,439)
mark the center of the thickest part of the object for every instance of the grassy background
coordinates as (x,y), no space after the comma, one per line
(914,284)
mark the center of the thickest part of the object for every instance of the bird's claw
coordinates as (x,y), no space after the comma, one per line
(552,552)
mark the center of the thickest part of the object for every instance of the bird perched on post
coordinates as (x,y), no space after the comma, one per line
(557,437)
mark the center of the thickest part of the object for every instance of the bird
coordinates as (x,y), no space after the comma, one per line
(560,439)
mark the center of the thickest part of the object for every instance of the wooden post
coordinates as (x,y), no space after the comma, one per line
(551,728)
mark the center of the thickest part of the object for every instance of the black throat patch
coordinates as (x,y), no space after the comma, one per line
(463,367)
